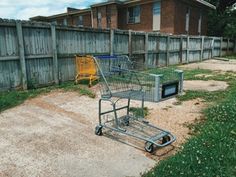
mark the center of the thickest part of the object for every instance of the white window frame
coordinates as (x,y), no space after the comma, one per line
(136,16)
(200,23)
(157,14)
(187,19)
(65,21)
(80,20)
(99,19)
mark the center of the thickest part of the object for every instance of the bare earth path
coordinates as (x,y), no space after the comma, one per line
(53,135)
(215,65)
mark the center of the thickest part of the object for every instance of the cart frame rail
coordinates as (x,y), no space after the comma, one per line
(131,83)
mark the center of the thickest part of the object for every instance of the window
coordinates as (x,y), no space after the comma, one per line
(54,22)
(200,23)
(80,21)
(99,18)
(157,16)
(134,14)
(65,22)
(187,20)
(108,17)
(157,8)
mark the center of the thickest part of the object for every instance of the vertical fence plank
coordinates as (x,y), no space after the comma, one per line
(181,50)
(187,50)
(221,46)
(111,42)
(227,53)
(21,54)
(146,49)
(130,43)
(168,51)
(212,47)
(54,51)
(202,48)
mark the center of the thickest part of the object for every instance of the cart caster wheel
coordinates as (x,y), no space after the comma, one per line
(149,147)
(165,139)
(98,131)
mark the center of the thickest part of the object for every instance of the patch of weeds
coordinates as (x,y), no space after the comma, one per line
(207,96)
(169,73)
(83,90)
(138,112)
(211,151)
(192,74)
(231,57)
(11,99)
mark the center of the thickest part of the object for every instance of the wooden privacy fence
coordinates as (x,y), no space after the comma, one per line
(39,54)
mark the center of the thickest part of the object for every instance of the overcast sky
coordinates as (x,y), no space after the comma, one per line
(24,9)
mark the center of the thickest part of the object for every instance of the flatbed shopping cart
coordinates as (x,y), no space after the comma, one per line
(85,69)
(119,84)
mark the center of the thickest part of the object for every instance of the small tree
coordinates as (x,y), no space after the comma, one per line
(222,21)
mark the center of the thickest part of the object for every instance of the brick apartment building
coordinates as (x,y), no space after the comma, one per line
(165,16)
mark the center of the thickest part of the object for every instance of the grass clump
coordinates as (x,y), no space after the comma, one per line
(139,112)
(11,99)
(211,152)
(231,57)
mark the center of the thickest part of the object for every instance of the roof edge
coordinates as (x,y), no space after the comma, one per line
(206,4)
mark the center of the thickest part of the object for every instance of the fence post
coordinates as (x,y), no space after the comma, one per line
(146,49)
(227,46)
(21,54)
(168,51)
(54,52)
(187,50)
(202,48)
(221,46)
(181,50)
(212,47)
(111,42)
(157,90)
(130,43)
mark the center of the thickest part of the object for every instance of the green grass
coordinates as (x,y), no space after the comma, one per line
(231,57)
(211,152)
(138,111)
(10,99)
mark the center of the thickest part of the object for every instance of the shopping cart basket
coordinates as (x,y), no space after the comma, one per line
(86,69)
(117,82)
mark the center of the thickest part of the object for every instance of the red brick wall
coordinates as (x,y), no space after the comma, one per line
(114,16)
(103,10)
(180,8)
(86,19)
(173,17)
(180,19)
(168,16)
(94,22)
(146,18)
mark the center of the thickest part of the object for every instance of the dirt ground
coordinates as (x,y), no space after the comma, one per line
(53,135)
(215,65)
(210,85)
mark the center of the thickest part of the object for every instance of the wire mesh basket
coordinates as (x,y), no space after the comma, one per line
(119,79)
